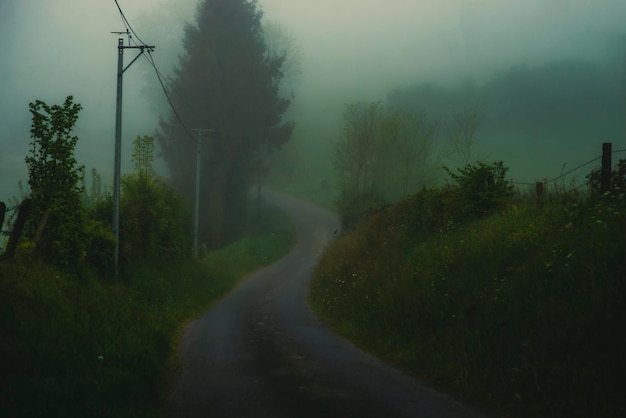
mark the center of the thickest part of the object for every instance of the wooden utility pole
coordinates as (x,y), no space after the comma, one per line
(3,210)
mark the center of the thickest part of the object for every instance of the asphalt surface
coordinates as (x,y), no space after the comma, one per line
(260,352)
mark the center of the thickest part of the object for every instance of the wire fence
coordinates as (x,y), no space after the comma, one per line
(547,181)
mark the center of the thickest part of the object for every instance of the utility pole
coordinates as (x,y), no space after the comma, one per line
(196,212)
(118,140)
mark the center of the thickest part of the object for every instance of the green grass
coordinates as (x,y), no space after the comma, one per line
(521,313)
(79,347)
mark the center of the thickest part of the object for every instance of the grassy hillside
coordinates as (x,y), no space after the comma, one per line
(81,347)
(521,312)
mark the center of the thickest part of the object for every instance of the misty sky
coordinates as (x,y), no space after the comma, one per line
(353,50)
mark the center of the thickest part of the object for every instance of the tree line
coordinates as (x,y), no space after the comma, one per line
(384,153)
(387,150)
(571,92)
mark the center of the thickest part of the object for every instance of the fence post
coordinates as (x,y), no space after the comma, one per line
(539,185)
(605,179)
(22,215)
(3,210)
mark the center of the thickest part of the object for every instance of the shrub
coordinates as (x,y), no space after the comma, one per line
(482,188)
(156,222)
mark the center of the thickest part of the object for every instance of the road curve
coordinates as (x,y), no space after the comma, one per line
(259,352)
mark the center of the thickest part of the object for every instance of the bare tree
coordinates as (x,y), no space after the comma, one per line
(462,135)
(413,145)
(360,155)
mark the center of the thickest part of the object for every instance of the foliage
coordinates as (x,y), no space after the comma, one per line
(358,155)
(413,146)
(88,348)
(143,156)
(482,188)
(52,169)
(519,311)
(96,186)
(229,82)
(380,154)
(359,159)
(100,247)
(618,179)
(57,220)
(156,224)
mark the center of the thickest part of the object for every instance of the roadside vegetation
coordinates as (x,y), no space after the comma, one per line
(468,285)
(82,346)
(74,340)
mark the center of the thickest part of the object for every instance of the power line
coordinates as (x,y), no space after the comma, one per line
(160,77)
(169,100)
(127,23)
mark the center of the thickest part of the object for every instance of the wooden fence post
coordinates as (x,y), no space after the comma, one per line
(3,211)
(539,195)
(22,215)
(605,179)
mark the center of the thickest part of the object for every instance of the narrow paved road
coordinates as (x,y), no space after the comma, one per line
(260,352)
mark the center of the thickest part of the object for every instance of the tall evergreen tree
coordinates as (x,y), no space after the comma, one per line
(225,81)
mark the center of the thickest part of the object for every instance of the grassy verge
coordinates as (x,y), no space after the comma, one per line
(78,347)
(521,313)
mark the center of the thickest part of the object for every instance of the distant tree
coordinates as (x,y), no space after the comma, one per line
(462,135)
(360,153)
(226,80)
(143,156)
(360,158)
(280,45)
(57,219)
(413,145)
(96,185)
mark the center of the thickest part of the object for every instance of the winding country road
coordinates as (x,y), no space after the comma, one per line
(259,352)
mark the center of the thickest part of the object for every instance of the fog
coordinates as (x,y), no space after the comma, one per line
(353,50)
